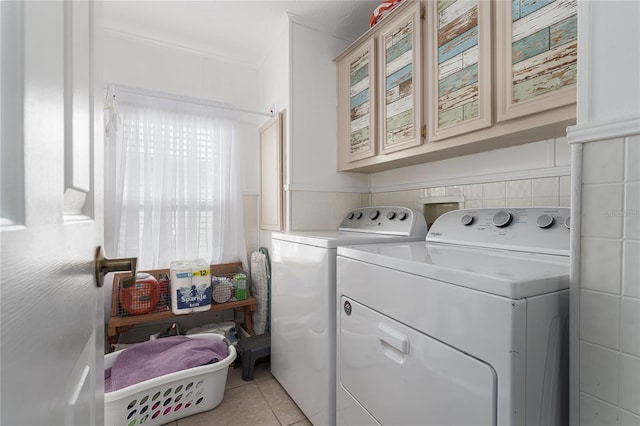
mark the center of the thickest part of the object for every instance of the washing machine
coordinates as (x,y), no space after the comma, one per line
(469,327)
(303,301)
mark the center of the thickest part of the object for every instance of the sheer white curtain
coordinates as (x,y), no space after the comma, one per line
(172,182)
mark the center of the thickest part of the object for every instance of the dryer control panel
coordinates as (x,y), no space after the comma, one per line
(385,220)
(530,229)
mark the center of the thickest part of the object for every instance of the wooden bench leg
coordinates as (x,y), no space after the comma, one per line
(247,322)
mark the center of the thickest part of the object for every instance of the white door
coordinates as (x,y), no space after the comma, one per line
(51,350)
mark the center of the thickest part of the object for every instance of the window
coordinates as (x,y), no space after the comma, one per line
(172,181)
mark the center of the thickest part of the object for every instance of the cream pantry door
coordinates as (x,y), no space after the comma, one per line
(51,332)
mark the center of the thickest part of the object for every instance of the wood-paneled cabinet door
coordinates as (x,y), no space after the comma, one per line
(400,82)
(271,173)
(357,103)
(459,67)
(537,56)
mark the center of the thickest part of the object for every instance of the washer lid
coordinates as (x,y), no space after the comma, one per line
(505,273)
(333,239)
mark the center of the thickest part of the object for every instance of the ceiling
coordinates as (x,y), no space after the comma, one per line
(237,31)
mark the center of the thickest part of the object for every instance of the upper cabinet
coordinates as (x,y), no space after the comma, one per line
(537,56)
(459,67)
(400,82)
(380,88)
(496,73)
(356,93)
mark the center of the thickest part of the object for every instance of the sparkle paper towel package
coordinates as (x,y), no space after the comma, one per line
(190,286)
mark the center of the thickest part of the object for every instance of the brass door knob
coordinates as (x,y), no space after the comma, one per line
(103,266)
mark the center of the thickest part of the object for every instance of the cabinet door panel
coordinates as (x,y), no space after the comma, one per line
(400,83)
(459,71)
(271,174)
(356,93)
(537,56)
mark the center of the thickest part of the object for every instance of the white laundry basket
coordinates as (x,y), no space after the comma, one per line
(170,397)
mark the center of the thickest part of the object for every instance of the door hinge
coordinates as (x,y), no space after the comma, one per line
(423,132)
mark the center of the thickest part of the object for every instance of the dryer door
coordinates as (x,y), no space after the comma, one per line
(403,377)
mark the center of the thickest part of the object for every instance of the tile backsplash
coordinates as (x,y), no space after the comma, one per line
(545,191)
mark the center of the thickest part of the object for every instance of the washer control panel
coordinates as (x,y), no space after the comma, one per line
(385,220)
(532,229)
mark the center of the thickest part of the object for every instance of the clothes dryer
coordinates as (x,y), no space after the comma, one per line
(469,327)
(303,301)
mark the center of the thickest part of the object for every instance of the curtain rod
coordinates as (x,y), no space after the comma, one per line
(185,99)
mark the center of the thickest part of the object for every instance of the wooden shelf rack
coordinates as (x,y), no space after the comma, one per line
(118,324)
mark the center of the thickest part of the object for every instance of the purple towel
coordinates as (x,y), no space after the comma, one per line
(156,358)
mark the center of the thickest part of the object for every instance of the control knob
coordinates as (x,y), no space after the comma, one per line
(358,215)
(391,215)
(374,214)
(402,215)
(544,221)
(350,216)
(567,222)
(502,219)
(467,219)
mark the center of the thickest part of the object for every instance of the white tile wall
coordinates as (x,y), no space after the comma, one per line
(632,159)
(630,383)
(610,283)
(631,269)
(609,158)
(608,254)
(545,187)
(626,418)
(602,210)
(494,190)
(600,318)
(565,191)
(594,412)
(599,372)
(630,326)
(519,188)
(472,192)
(632,210)
(550,191)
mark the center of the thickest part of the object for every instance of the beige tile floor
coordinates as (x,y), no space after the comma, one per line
(261,401)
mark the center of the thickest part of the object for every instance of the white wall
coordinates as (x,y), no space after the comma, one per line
(299,75)
(313,113)
(274,72)
(605,247)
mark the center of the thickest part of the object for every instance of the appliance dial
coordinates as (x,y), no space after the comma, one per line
(402,215)
(350,216)
(544,221)
(374,214)
(467,219)
(391,215)
(502,219)
(358,215)
(567,223)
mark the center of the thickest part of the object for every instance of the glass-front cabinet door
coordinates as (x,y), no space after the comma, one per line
(400,83)
(459,67)
(537,56)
